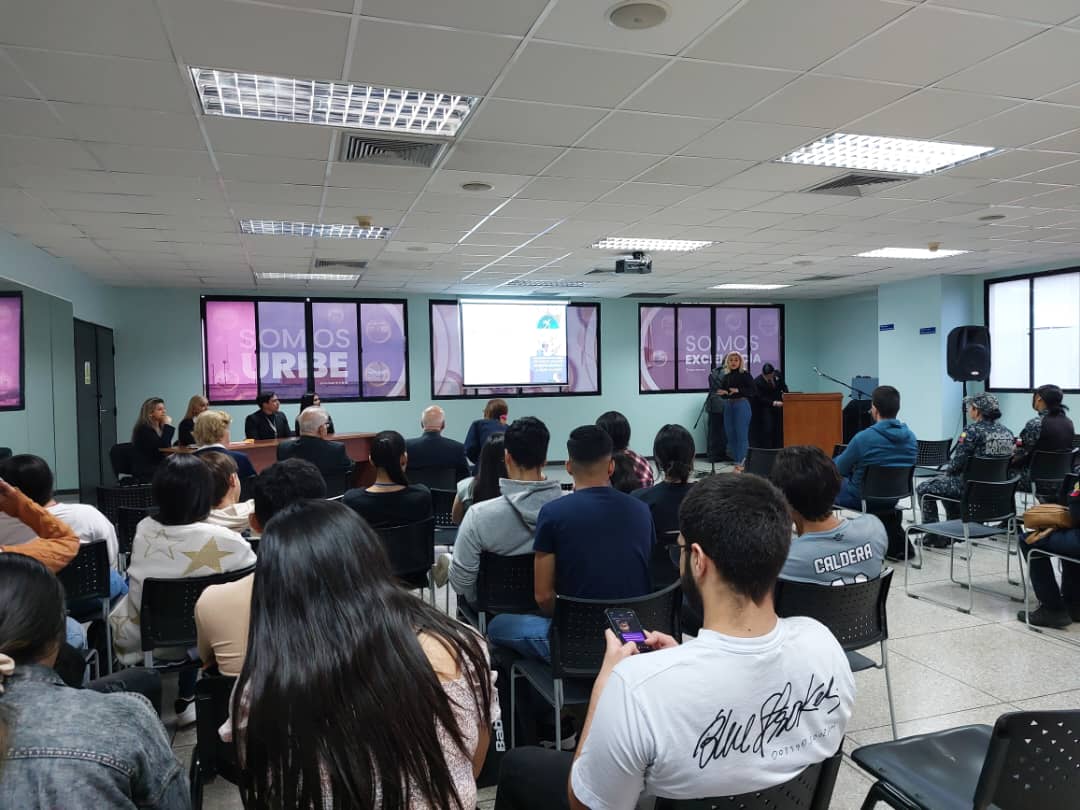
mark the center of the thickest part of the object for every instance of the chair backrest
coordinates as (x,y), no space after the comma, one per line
(87,576)
(1050,465)
(985,468)
(121,459)
(212,694)
(1032,762)
(837,449)
(336,483)
(433,477)
(577,627)
(988,501)
(887,483)
(442,506)
(127,520)
(410,547)
(247,488)
(759,461)
(855,613)
(167,614)
(110,499)
(811,789)
(1068,483)
(933,452)
(505,584)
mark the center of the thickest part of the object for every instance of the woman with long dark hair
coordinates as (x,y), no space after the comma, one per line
(64,747)
(311,400)
(1050,430)
(485,484)
(674,451)
(321,716)
(391,500)
(153,431)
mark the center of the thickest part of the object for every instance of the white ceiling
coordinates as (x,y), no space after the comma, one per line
(584,131)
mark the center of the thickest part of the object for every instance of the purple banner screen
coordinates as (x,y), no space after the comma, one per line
(731,332)
(383,350)
(764,339)
(283,348)
(657,360)
(694,348)
(11,393)
(336,353)
(231,368)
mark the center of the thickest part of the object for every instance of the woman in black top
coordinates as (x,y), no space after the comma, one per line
(311,400)
(152,432)
(1051,430)
(391,500)
(673,450)
(737,389)
(185,433)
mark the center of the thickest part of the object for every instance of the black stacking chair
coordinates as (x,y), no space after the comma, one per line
(167,614)
(411,549)
(122,461)
(577,648)
(434,477)
(759,461)
(933,454)
(127,521)
(1068,483)
(855,614)
(211,757)
(442,507)
(86,587)
(978,468)
(110,499)
(336,484)
(838,449)
(1028,761)
(1047,470)
(886,485)
(504,585)
(812,789)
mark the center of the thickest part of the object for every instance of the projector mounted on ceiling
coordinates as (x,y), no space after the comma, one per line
(637,263)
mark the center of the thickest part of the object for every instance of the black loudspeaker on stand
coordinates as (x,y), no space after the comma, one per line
(968,354)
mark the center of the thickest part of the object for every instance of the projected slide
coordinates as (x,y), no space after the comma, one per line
(513,342)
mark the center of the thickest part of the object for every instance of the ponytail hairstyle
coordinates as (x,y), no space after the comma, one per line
(490,468)
(31,620)
(1052,396)
(674,452)
(387,448)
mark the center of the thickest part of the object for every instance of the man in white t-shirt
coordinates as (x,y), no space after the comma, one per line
(748,704)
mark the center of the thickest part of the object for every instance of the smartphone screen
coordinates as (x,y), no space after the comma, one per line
(624,622)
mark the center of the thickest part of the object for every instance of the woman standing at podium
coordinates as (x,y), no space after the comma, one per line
(737,389)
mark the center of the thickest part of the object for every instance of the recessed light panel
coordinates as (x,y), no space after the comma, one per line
(270,227)
(346,277)
(750,286)
(909,253)
(876,153)
(627,243)
(335,104)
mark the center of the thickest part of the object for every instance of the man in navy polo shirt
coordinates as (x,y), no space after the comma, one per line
(592,544)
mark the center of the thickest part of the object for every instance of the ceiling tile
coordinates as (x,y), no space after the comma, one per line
(796,203)
(1010,164)
(262,169)
(109,27)
(1020,126)
(390,178)
(1045,11)
(689,88)
(729,199)
(31,118)
(600,164)
(930,113)
(502,185)
(1067,174)
(823,101)
(560,188)
(793,33)
(180,162)
(507,158)
(646,132)
(365,198)
(132,126)
(948,41)
(568,74)
(694,171)
(1041,65)
(521,207)
(16,151)
(277,192)
(493,16)
(1069,142)
(747,140)
(1003,191)
(237,136)
(402,55)
(781,177)
(242,36)
(523,122)
(650,194)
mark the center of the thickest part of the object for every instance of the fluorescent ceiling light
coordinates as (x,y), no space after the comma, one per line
(270,227)
(350,277)
(750,286)
(331,103)
(630,243)
(909,253)
(876,153)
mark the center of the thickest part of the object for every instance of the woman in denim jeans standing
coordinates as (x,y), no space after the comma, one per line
(63,747)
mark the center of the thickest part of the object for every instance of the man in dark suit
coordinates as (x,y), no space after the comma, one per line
(432,449)
(312,445)
(268,422)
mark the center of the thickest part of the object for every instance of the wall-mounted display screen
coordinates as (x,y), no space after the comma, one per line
(11,352)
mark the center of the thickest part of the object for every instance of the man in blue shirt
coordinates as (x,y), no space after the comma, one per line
(592,544)
(886,443)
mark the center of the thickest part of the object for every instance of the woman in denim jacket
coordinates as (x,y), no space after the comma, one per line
(63,747)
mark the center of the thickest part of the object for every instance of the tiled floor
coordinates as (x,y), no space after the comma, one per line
(948,669)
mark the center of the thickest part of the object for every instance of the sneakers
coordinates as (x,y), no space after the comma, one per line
(185,712)
(440,572)
(568,733)
(1044,617)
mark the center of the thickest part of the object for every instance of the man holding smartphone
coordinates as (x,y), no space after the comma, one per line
(747,705)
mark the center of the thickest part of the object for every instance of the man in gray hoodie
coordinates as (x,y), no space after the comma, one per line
(505,525)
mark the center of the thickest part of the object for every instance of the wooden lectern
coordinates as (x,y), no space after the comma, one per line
(813,419)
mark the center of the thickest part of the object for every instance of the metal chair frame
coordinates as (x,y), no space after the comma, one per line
(87,577)
(1048,468)
(759,460)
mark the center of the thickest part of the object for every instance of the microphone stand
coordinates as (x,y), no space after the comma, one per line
(840,382)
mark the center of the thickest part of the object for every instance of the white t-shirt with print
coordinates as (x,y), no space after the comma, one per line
(85,521)
(717,716)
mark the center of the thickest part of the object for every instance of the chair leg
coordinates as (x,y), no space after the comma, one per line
(108,636)
(558,713)
(888,686)
(195,781)
(513,708)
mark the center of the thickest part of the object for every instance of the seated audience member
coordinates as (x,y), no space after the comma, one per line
(32,476)
(624,477)
(330,457)
(594,543)
(1051,430)
(152,433)
(485,484)
(212,435)
(674,452)
(306,728)
(986,437)
(1058,606)
(176,543)
(268,422)
(886,443)
(494,421)
(830,550)
(615,425)
(312,400)
(54,544)
(185,436)
(228,511)
(433,450)
(64,747)
(725,713)
(504,524)
(221,614)
(391,500)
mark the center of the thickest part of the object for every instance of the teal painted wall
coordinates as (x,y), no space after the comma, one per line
(847,339)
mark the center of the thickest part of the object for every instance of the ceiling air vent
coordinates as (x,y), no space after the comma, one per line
(855,184)
(650,295)
(389,151)
(340,263)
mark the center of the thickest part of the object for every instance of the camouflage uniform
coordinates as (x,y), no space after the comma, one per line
(986,438)
(1025,446)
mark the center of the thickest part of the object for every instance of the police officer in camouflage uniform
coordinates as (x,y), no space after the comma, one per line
(1051,430)
(985,436)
